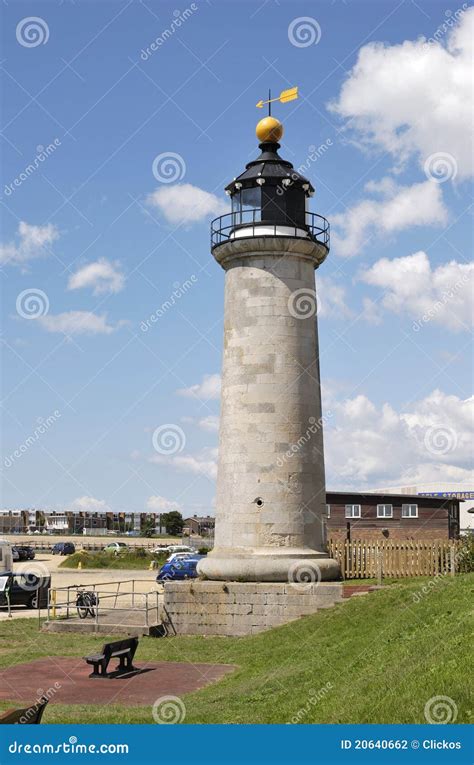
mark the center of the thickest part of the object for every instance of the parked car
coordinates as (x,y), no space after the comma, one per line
(19,552)
(24,589)
(27,551)
(179,569)
(116,547)
(180,556)
(173,549)
(63,548)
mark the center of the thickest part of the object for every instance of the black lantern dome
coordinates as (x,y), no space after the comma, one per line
(270,198)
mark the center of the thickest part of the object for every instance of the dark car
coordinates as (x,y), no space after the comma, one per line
(63,548)
(24,589)
(27,551)
(182,568)
(19,553)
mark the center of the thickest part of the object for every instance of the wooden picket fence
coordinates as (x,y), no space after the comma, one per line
(365,559)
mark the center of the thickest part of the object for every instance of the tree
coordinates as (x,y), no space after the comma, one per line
(173,522)
(148,529)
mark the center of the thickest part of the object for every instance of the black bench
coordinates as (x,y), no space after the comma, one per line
(124,650)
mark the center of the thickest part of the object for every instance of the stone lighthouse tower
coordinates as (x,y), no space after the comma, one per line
(270,486)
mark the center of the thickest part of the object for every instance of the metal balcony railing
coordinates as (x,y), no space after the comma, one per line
(247,223)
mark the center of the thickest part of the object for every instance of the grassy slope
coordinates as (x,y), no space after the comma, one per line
(129,560)
(383,655)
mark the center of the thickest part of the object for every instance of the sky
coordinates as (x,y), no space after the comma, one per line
(122,124)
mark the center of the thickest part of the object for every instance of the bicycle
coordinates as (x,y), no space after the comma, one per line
(86,601)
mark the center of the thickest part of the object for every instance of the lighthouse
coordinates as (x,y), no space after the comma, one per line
(271,494)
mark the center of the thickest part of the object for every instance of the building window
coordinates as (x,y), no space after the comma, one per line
(384,511)
(352,511)
(328,511)
(409,511)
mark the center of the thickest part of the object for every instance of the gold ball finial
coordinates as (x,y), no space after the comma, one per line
(269,130)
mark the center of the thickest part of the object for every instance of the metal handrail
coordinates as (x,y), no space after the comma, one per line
(224,227)
(54,603)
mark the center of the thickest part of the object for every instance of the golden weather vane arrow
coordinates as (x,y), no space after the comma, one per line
(285,95)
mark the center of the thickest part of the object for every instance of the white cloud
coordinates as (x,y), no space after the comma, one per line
(332,299)
(157,504)
(209,388)
(210,423)
(102,276)
(89,504)
(204,463)
(414,99)
(78,323)
(184,203)
(33,242)
(370,311)
(443,295)
(368,446)
(399,208)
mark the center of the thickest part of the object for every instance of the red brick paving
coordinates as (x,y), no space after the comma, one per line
(25,682)
(353,589)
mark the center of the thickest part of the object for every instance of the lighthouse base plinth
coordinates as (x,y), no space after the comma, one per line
(237,609)
(280,565)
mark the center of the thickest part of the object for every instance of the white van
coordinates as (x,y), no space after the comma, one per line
(6,557)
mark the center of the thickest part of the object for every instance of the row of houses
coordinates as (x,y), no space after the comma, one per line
(349,515)
(72,522)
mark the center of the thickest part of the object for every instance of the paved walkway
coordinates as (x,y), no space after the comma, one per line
(67,681)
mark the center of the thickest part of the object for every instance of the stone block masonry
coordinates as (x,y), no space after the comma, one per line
(238,608)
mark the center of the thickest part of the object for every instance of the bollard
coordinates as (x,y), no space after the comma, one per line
(79,565)
(53,598)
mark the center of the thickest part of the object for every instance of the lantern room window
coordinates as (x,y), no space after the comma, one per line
(245,201)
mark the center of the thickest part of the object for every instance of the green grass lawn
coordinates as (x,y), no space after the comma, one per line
(373,659)
(126,560)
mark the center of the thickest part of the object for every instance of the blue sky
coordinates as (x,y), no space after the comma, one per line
(105,241)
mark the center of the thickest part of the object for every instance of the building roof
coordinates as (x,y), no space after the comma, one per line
(270,167)
(386,495)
